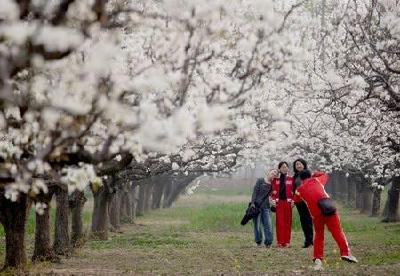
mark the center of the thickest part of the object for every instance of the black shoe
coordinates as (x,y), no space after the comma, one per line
(307,244)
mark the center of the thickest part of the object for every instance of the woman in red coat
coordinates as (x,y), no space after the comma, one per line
(282,199)
(323,212)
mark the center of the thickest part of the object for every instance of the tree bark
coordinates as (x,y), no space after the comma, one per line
(126,204)
(62,244)
(179,185)
(158,190)
(100,218)
(141,202)
(148,193)
(13,218)
(167,194)
(134,201)
(43,250)
(76,204)
(367,200)
(342,186)
(393,201)
(385,211)
(332,184)
(376,203)
(359,191)
(113,211)
(351,192)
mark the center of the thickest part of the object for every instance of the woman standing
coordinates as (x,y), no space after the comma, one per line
(301,172)
(282,198)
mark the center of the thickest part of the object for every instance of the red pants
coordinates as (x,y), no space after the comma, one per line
(333,224)
(283,222)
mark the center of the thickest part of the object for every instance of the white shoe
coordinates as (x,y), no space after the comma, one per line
(318,264)
(350,259)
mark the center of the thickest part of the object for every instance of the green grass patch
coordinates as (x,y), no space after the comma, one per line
(143,240)
(226,191)
(222,217)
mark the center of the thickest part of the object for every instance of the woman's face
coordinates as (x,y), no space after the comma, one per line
(272,174)
(284,169)
(299,166)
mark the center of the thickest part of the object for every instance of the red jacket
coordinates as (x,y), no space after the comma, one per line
(311,191)
(289,188)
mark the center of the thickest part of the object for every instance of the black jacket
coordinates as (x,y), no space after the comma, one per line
(251,212)
(260,194)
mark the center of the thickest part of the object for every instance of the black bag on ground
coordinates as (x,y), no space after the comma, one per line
(327,207)
(251,212)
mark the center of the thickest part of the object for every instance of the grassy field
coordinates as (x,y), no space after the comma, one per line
(202,235)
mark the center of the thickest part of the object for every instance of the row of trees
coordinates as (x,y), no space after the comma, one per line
(110,93)
(347,115)
(122,95)
(356,190)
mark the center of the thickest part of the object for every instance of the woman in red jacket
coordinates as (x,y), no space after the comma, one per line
(282,199)
(323,213)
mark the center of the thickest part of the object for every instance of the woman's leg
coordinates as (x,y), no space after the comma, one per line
(306,223)
(280,223)
(319,237)
(333,223)
(288,223)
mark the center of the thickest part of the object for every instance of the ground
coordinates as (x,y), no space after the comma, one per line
(201,235)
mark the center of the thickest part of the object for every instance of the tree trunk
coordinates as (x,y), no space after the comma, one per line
(43,250)
(329,185)
(351,193)
(134,201)
(367,201)
(167,194)
(113,211)
(179,185)
(141,201)
(62,244)
(342,186)
(332,184)
(393,201)
(76,204)
(376,203)
(126,204)
(13,218)
(385,211)
(158,189)
(148,194)
(100,214)
(359,192)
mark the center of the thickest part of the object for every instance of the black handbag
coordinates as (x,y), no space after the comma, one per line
(327,207)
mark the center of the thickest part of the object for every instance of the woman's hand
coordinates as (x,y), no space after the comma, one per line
(272,202)
(271,175)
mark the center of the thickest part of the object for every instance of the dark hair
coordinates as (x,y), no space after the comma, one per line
(304,174)
(281,163)
(302,161)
